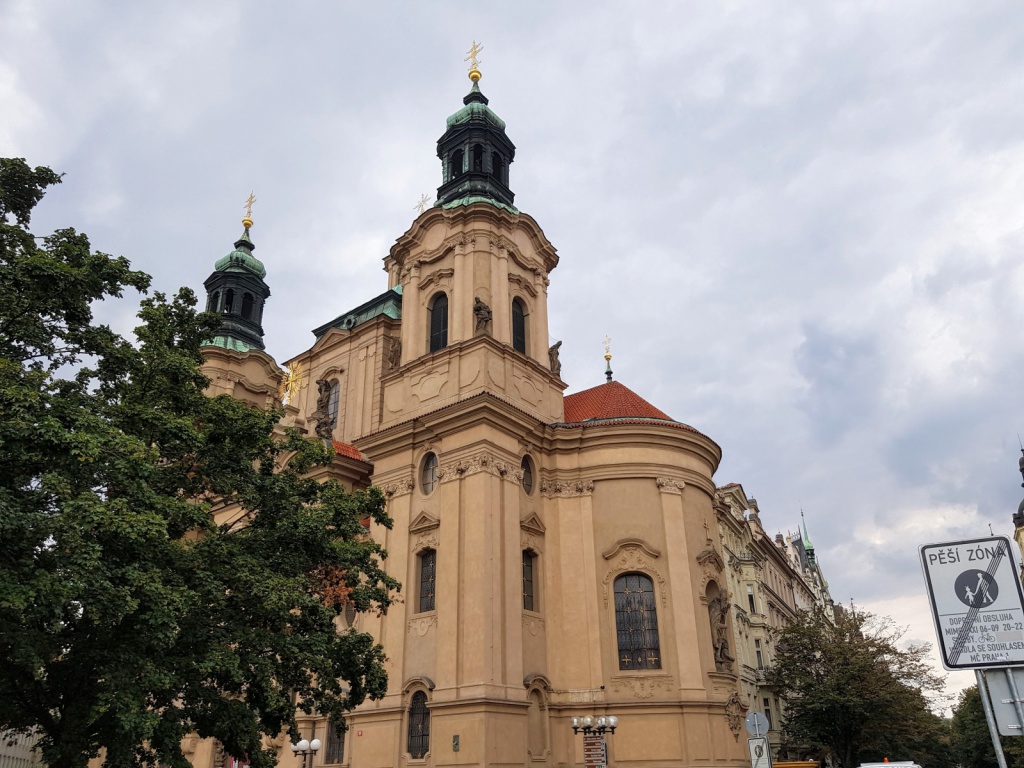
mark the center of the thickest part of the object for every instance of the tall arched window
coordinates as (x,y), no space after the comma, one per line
(478,158)
(636,622)
(419,726)
(498,167)
(438,322)
(529,580)
(213,305)
(455,164)
(518,326)
(332,404)
(229,301)
(247,303)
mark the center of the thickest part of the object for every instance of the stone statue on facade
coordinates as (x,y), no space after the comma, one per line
(718,612)
(321,416)
(553,361)
(394,352)
(482,315)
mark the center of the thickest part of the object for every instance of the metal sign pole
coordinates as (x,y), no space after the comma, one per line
(990,718)
(1015,695)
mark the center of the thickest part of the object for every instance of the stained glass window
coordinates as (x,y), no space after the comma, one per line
(439,322)
(518,326)
(529,567)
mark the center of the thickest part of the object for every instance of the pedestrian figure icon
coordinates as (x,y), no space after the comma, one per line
(976,589)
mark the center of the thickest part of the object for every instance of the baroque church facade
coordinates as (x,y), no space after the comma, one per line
(560,555)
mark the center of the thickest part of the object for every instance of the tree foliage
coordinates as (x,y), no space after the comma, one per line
(128,617)
(972,742)
(853,694)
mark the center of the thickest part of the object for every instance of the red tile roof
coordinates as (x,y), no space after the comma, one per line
(344,449)
(611,400)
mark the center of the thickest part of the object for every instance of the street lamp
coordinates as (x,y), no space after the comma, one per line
(597,725)
(595,748)
(307,747)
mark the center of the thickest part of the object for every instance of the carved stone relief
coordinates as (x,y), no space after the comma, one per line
(399,488)
(633,558)
(437,276)
(482,462)
(422,624)
(533,624)
(641,687)
(735,712)
(566,489)
(670,485)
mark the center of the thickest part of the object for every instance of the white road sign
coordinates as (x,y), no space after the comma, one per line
(760,752)
(977,602)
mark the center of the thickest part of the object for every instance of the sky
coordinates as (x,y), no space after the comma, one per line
(801,224)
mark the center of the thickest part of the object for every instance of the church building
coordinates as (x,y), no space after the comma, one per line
(559,554)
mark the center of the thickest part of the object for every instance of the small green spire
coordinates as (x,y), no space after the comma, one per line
(807,539)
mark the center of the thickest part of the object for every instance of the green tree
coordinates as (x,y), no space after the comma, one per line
(972,742)
(128,618)
(853,694)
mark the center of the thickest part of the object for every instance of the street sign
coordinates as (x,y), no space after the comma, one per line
(760,752)
(977,602)
(1005,710)
(756,723)
(594,753)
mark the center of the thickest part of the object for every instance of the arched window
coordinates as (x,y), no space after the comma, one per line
(427,562)
(529,581)
(332,404)
(498,167)
(419,726)
(518,326)
(455,164)
(247,305)
(428,474)
(478,158)
(636,622)
(213,305)
(438,322)
(229,301)
(527,466)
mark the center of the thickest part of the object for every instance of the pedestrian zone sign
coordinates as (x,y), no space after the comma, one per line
(977,602)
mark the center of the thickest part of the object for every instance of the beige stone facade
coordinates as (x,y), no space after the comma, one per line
(559,557)
(771,580)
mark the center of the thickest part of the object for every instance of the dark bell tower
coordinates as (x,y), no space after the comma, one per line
(475,154)
(236,290)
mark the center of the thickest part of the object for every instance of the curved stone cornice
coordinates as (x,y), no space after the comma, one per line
(631,542)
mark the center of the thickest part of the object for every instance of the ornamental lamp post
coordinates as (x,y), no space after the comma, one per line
(595,748)
(307,747)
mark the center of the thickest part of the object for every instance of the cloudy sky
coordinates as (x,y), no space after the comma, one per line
(800,223)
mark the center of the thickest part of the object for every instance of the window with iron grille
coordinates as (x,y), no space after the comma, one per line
(636,622)
(529,568)
(419,726)
(335,751)
(428,578)
(439,322)
(518,326)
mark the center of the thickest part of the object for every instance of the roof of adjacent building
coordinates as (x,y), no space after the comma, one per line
(611,400)
(344,449)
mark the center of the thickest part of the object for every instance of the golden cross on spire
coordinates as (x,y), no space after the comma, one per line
(474,61)
(247,221)
(423,203)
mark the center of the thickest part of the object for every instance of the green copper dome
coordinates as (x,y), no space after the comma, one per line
(477,110)
(241,259)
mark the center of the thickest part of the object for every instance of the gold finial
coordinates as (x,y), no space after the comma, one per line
(423,203)
(247,221)
(474,62)
(291,383)
(608,358)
